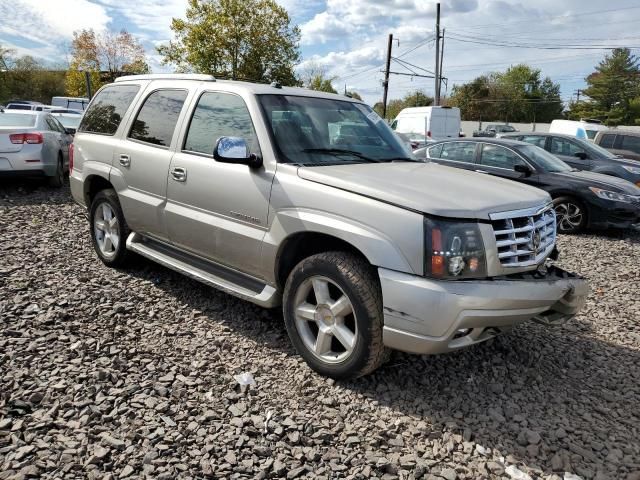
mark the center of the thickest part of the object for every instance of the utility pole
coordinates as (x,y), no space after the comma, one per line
(386,77)
(440,69)
(87,79)
(437,71)
(578,92)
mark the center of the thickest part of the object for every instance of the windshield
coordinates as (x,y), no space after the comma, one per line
(17,120)
(543,159)
(320,131)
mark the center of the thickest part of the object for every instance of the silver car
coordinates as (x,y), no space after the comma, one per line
(33,144)
(308,200)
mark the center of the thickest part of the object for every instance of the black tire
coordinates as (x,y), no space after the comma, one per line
(58,178)
(353,277)
(120,255)
(565,208)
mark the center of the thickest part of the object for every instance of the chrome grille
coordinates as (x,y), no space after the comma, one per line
(524,237)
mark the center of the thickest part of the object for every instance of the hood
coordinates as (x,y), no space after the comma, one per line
(626,161)
(429,188)
(600,180)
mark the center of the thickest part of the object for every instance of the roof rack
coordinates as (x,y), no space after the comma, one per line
(168,76)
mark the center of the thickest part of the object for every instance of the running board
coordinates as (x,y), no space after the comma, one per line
(217,276)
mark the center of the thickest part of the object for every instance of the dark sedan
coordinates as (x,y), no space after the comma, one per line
(582,154)
(581,199)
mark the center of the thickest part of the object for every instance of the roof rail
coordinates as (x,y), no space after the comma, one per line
(168,76)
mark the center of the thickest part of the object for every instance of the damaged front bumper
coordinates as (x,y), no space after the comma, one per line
(431,316)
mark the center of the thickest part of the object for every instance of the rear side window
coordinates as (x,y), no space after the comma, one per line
(219,115)
(458,152)
(107,109)
(158,116)
(630,142)
(606,141)
(499,157)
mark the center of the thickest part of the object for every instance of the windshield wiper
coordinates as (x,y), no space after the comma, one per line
(339,151)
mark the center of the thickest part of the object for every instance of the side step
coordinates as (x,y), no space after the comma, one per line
(214,275)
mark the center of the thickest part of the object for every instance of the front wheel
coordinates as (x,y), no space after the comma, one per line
(109,230)
(333,314)
(571,215)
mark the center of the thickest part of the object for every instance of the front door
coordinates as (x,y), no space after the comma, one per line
(216,210)
(500,161)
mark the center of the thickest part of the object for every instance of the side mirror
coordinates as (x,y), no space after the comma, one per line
(70,131)
(581,155)
(235,150)
(524,169)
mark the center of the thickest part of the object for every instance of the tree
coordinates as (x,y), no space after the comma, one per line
(354,95)
(314,77)
(613,90)
(238,39)
(27,78)
(106,56)
(518,94)
(417,98)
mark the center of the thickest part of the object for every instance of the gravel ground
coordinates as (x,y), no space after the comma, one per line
(114,374)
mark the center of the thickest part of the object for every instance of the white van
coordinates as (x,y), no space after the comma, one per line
(428,123)
(585,129)
(74,103)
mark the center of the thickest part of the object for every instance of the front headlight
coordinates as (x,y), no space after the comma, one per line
(454,250)
(614,196)
(635,170)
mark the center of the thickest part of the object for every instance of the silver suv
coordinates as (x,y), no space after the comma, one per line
(285,196)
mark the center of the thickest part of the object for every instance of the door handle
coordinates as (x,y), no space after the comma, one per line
(125,160)
(179,174)
(482,171)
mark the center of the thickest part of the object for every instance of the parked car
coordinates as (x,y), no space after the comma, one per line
(493,129)
(240,186)
(70,122)
(583,155)
(25,105)
(426,124)
(33,144)
(76,103)
(581,199)
(54,109)
(584,129)
(620,142)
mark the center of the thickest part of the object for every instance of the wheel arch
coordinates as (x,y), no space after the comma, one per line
(92,185)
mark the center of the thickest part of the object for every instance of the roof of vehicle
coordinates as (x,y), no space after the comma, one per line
(255,88)
(496,141)
(542,134)
(616,131)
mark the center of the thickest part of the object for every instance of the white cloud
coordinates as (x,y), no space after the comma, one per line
(149,15)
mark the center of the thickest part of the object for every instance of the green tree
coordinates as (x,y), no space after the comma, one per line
(106,56)
(613,89)
(26,78)
(416,98)
(354,95)
(237,39)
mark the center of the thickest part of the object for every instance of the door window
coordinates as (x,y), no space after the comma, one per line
(156,120)
(536,140)
(562,146)
(219,115)
(435,151)
(499,157)
(606,141)
(631,143)
(107,109)
(458,151)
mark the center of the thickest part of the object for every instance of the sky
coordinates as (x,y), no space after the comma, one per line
(565,39)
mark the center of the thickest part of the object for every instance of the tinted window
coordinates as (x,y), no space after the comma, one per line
(543,160)
(630,142)
(107,109)
(606,141)
(562,146)
(19,107)
(435,151)
(534,140)
(458,152)
(499,157)
(158,116)
(219,115)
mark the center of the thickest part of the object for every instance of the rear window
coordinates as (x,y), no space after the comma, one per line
(107,109)
(18,107)
(17,120)
(606,141)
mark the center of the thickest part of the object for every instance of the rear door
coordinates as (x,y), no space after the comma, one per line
(452,116)
(569,151)
(142,158)
(626,145)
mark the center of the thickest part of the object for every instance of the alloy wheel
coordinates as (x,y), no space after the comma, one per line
(107,229)
(569,216)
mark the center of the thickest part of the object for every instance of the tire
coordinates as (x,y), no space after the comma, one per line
(109,230)
(342,340)
(58,178)
(571,214)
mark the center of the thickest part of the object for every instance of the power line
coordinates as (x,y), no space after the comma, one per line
(457,38)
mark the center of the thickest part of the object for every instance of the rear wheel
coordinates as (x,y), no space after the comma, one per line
(58,178)
(333,314)
(109,230)
(571,215)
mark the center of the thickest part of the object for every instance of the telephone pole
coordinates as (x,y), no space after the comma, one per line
(578,92)
(386,77)
(441,60)
(437,71)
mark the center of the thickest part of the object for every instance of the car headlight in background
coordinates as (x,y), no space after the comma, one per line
(614,196)
(454,250)
(630,169)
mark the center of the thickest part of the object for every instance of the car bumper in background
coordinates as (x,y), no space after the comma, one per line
(429,316)
(607,214)
(29,161)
